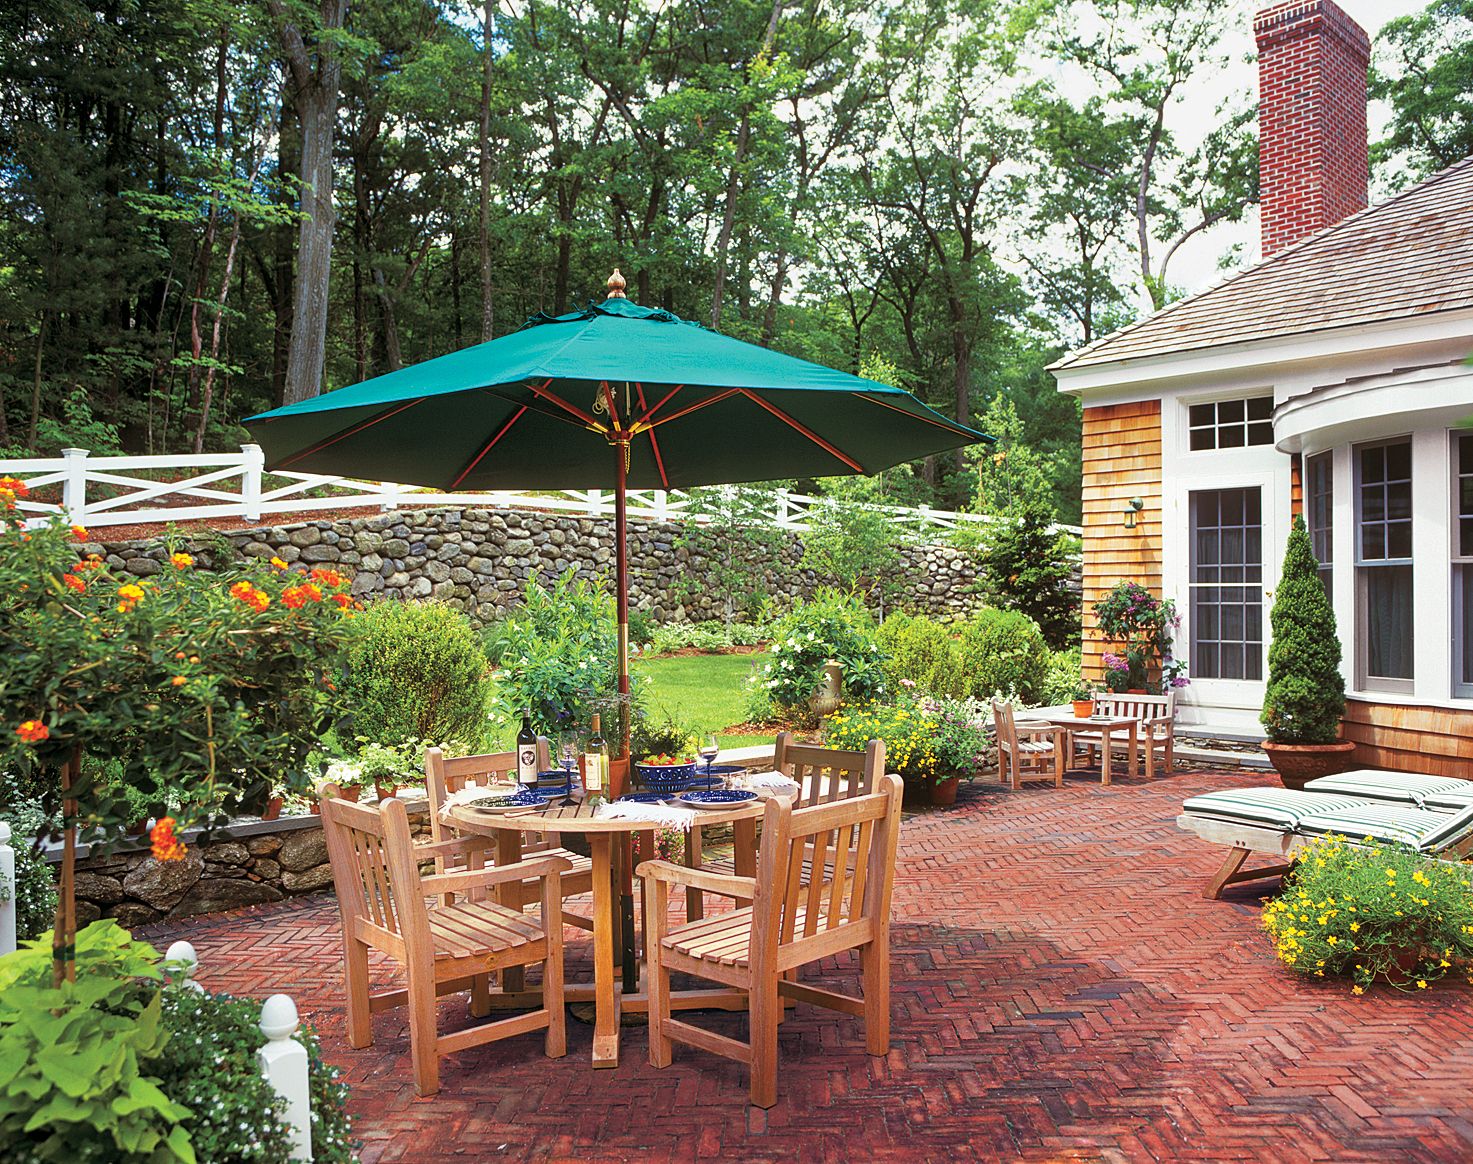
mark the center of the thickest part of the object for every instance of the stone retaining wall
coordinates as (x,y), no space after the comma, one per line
(479,560)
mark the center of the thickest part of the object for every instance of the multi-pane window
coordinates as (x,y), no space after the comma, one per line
(1463,565)
(1231,424)
(1319,504)
(1227,584)
(1383,534)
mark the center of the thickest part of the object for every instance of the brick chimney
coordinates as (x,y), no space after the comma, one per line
(1312,161)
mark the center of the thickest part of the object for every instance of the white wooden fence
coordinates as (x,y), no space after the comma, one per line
(103,491)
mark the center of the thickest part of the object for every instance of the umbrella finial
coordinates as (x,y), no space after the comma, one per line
(616,285)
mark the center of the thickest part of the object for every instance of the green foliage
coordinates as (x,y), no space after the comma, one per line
(1012,477)
(1372,913)
(658,735)
(1062,680)
(641,629)
(833,626)
(1029,568)
(1003,653)
(236,1118)
(728,533)
(1305,697)
(34,890)
(1145,626)
(1423,69)
(705,636)
(558,654)
(850,541)
(75,1058)
(416,671)
(202,689)
(922,654)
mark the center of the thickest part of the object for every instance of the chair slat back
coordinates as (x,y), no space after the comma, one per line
(828,774)
(1005,727)
(445,774)
(1137,706)
(373,870)
(849,846)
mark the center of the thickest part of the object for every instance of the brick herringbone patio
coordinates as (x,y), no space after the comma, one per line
(1061,991)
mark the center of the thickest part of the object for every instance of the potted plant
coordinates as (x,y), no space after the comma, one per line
(1305,698)
(1083,699)
(348,776)
(1145,626)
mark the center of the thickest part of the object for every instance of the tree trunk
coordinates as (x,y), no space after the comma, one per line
(488,309)
(36,381)
(961,352)
(387,321)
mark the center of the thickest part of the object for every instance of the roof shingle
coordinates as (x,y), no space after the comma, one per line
(1412,255)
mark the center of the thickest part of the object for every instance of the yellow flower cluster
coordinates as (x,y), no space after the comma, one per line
(908,732)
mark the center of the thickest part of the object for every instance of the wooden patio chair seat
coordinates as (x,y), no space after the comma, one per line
(442,949)
(445,775)
(823,775)
(1027,750)
(789,924)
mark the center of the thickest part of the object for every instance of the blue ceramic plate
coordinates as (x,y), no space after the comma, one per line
(520,799)
(643,798)
(718,798)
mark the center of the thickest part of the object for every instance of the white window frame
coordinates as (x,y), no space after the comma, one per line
(1364,681)
(1461,563)
(1192,586)
(1215,401)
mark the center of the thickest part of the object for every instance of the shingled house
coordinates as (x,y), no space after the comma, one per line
(1331,379)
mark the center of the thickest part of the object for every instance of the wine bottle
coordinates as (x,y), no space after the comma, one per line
(596,768)
(527,754)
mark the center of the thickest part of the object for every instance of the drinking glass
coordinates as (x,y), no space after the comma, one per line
(708,749)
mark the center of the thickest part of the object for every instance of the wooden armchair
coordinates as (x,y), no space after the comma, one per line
(790,923)
(381,898)
(1027,751)
(823,775)
(1155,717)
(444,775)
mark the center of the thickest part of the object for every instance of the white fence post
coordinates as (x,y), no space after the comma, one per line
(74,484)
(780,518)
(391,497)
(7,882)
(595,497)
(254,463)
(183,956)
(284,1064)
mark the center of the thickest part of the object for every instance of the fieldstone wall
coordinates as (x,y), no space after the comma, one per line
(479,560)
(249,864)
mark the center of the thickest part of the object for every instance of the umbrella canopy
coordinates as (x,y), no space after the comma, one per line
(533,410)
(608,397)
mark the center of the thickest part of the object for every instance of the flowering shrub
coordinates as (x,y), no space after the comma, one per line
(833,626)
(908,732)
(1145,626)
(1373,912)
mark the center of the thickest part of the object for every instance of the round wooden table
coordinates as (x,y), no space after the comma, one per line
(609,841)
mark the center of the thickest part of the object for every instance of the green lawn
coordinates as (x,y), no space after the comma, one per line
(704,691)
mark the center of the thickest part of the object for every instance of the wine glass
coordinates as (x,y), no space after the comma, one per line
(708,749)
(568,755)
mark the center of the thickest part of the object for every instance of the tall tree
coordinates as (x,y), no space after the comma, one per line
(1423,68)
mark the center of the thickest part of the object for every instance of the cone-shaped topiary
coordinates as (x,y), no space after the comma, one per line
(1305,699)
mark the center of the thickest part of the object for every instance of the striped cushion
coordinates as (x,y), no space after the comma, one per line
(1278,808)
(1449,801)
(1398,787)
(1427,832)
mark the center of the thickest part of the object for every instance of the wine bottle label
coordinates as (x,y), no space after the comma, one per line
(527,764)
(594,771)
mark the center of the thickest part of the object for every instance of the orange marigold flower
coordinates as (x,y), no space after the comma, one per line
(242,590)
(312,591)
(33,731)
(79,532)
(72,582)
(327,577)
(178,681)
(13,487)
(181,561)
(166,846)
(129,597)
(343,600)
(278,563)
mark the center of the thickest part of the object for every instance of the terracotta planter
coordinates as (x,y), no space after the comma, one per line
(1084,708)
(1135,691)
(273,808)
(384,791)
(942,790)
(618,778)
(351,793)
(137,829)
(1299,763)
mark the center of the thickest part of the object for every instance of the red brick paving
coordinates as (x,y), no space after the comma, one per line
(1061,992)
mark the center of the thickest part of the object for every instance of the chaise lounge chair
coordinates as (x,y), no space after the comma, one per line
(1280,821)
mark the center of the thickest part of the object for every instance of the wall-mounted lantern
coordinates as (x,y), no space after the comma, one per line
(1132,509)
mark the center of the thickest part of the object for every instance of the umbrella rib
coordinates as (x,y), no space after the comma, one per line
(654,444)
(809,433)
(357,428)
(648,417)
(717,399)
(561,403)
(943,423)
(501,432)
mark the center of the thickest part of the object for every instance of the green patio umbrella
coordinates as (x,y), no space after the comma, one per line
(613,396)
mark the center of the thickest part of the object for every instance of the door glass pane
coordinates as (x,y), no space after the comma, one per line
(1226,584)
(1388,622)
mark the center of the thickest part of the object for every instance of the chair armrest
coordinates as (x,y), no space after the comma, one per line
(1161,721)
(459,847)
(496,875)
(723,883)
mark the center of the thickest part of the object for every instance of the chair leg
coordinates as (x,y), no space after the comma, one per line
(657,976)
(874,976)
(422,1032)
(556,1045)
(1058,766)
(355,976)
(1170,755)
(480,996)
(766,1006)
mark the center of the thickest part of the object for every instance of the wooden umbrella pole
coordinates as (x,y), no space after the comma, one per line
(621,572)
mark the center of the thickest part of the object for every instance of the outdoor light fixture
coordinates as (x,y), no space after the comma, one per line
(1132,507)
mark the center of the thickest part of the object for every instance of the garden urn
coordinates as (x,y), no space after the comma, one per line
(827,698)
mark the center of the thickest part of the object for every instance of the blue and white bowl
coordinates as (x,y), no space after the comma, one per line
(665,778)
